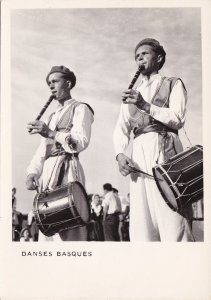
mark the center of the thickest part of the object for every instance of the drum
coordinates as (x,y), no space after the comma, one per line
(180,179)
(66,207)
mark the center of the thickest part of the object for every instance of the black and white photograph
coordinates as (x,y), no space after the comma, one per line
(104,140)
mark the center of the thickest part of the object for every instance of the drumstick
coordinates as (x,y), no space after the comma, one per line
(136,170)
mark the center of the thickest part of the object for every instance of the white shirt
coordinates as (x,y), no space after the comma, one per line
(174,116)
(80,133)
(112,202)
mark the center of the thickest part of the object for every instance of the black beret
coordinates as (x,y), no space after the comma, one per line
(152,42)
(61,69)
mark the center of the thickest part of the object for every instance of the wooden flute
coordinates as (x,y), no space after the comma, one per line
(138,72)
(44,109)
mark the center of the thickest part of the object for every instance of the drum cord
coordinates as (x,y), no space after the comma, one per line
(186,135)
(48,182)
(183,127)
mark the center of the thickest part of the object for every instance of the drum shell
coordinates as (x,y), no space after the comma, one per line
(180,179)
(58,209)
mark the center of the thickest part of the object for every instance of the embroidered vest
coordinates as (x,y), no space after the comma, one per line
(53,147)
(161,99)
(161,96)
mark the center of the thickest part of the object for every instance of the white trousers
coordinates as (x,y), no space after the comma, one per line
(151,219)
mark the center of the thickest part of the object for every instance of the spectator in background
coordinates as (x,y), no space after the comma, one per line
(25,235)
(96,206)
(34,230)
(111,210)
(13,197)
(121,217)
(17,218)
(96,219)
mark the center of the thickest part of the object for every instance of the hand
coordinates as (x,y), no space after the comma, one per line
(72,144)
(32,182)
(125,164)
(41,128)
(134,97)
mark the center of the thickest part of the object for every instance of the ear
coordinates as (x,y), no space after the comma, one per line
(159,58)
(69,84)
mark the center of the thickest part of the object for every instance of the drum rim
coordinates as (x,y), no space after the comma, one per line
(162,193)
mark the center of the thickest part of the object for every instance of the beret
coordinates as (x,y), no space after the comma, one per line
(152,42)
(65,71)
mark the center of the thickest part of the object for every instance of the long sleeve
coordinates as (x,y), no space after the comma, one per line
(80,132)
(174,116)
(36,164)
(122,130)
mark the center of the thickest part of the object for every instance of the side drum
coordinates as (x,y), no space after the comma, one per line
(180,179)
(66,207)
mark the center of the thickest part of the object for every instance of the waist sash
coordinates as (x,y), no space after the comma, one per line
(165,139)
(154,127)
(62,152)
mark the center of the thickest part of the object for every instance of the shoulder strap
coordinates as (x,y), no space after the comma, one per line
(173,81)
(90,108)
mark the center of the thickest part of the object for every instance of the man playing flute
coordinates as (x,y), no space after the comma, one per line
(66,133)
(154,111)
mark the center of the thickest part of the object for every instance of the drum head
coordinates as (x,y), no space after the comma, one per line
(81,201)
(165,190)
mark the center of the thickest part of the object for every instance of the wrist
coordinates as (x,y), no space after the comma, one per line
(143,105)
(31,175)
(51,134)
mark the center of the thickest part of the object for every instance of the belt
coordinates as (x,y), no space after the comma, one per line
(153,127)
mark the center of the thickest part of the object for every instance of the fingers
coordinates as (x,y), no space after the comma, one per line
(130,96)
(34,127)
(36,182)
(30,185)
(32,182)
(126,167)
(38,127)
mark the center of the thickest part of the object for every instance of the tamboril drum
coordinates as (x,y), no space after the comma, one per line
(66,207)
(180,179)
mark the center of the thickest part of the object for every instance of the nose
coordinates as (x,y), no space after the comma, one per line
(51,85)
(140,57)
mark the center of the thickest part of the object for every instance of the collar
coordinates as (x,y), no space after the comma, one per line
(151,79)
(66,103)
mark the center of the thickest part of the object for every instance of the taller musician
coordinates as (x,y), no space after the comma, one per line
(154,111)
(70,127)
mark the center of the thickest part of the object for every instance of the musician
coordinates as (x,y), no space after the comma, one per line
(64,135)
(154,111)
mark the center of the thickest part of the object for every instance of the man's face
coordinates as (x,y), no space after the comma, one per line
(145,56)
(59,86)
(26,234)
(96,199)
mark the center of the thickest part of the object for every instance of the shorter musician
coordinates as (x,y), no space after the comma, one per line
(154,111)
(64,135)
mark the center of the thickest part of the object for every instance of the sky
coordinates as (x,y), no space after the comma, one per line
(98,45)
